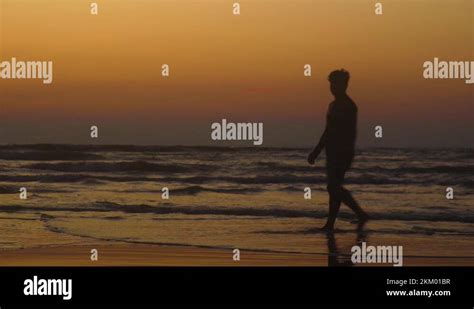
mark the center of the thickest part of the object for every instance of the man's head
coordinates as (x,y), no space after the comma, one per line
(339,80)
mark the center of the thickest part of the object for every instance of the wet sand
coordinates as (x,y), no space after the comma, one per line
(149,255)
(119,254)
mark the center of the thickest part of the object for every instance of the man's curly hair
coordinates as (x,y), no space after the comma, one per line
(339,77)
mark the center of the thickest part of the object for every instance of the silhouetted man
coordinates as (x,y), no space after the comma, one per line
(339,140)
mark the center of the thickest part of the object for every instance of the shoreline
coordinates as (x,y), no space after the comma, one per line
(126,254)
(119,254)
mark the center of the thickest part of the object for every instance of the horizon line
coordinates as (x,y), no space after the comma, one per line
(302,147)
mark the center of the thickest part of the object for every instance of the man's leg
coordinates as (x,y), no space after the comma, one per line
(334,205)
(334,187)
(346,198)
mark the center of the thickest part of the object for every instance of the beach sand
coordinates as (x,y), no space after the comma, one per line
(119,254)
(26,242)
(149,255)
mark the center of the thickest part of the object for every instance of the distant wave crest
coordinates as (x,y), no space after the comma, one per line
(123,166)
(246,211)
(255,180)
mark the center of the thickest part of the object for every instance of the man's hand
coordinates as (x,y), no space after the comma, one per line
(312,157)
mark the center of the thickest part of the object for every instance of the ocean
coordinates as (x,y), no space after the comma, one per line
(223,197)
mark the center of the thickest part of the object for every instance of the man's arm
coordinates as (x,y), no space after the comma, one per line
(322,141)
(317,150)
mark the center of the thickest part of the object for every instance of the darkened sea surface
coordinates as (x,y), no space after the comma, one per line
(247,198)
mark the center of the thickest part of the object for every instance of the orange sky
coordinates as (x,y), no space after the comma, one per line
(243,68)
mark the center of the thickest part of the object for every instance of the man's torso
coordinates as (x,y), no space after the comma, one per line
(341,132)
